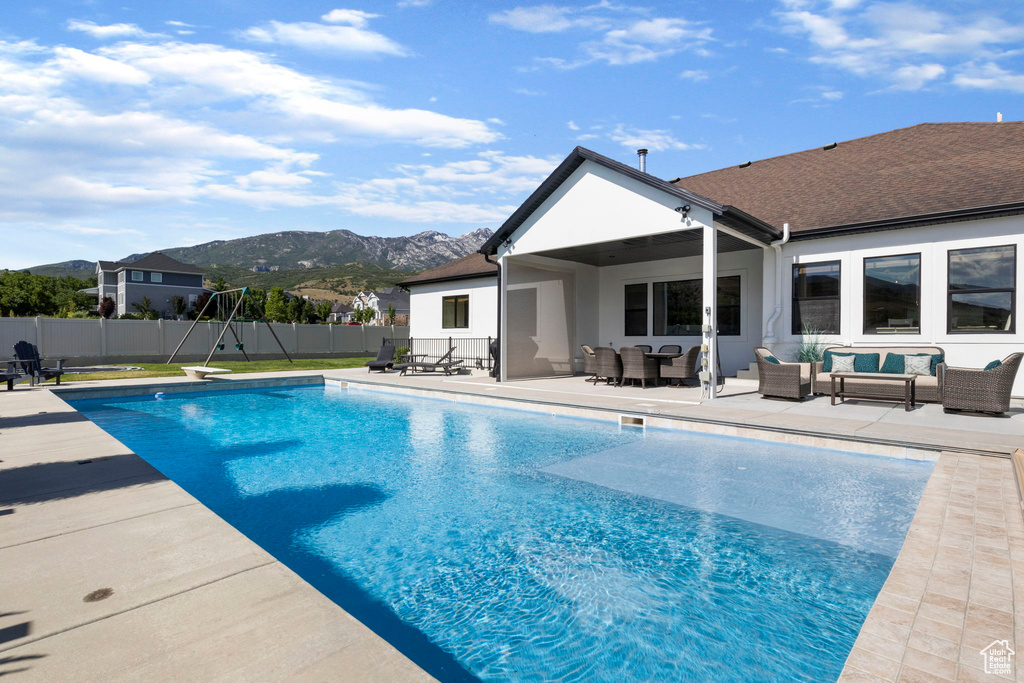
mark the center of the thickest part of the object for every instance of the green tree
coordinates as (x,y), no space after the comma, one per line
(145,308)
(277,306)
(323,310)
(364,315)
(392,312)
(295,309)
(256,303)
(220,284)
(24,294)
(308,313)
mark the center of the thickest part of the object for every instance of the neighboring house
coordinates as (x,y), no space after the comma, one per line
(379,301)
(910,237)
(340,313)
(457,299)
(156,276)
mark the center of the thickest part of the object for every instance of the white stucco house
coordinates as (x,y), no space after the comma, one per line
(909,237)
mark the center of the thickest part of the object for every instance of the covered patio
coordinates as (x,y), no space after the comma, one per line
(606,255)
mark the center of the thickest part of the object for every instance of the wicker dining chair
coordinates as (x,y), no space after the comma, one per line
(983,391)
(637,366)
(589,362)
(681,367)
(671,348)
(608,364)
(782,380)
(646,348)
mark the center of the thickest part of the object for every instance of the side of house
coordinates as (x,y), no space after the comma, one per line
(458,299)
(156,276)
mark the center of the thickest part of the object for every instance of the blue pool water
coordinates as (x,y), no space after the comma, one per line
(503,545)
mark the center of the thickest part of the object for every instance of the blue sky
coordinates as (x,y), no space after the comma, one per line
(130,127)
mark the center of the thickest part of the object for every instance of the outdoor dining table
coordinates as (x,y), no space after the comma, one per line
(659,355)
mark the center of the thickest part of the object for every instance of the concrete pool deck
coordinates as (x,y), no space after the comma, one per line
(193,598)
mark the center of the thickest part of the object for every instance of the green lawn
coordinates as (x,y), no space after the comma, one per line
(174,370)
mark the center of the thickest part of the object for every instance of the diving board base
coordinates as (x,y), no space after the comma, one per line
(200,372)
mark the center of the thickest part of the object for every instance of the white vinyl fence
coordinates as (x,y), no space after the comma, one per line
(93,340)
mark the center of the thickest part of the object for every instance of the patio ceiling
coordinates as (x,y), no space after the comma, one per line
(650,248)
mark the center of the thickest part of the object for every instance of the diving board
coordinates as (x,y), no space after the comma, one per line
(201,371)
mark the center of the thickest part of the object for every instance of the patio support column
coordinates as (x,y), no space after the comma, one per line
(709,276)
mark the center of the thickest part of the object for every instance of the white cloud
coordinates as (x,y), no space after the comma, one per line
(351,40)
(110,30)
(179,24)
(989,76)
(352,17)
(572,125)
(907,45)
(694,75)
(620,41)
(96,68)
(316,104)
(654,139)
(415,3)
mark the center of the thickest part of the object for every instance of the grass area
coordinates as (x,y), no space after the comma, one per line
(174,370)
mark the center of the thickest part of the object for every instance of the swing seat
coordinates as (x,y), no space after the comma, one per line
(201,371)
(220,347)
(239,347)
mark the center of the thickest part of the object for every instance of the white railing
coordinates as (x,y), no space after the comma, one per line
(150,340)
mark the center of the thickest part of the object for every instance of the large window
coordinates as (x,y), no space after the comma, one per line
(892,294)
(982,289)
(816,297)
(678,307)
(455,312)
(636,310)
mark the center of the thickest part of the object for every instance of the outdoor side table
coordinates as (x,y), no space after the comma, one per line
(881,391)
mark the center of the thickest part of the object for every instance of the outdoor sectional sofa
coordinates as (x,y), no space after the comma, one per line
(928,388)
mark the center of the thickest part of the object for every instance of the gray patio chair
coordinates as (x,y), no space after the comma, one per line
(637,366)
(983,391)
(670,348)
(783,380)
(682,367)
(32,364)
(608,364)
(589,362)
(385,359)
(646,348)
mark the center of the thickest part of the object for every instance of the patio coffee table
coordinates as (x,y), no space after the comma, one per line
(884,392)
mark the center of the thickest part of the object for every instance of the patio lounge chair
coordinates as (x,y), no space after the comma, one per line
(32,365)
(589,362)
(637,366)
(983,391)
(682,367)
(385,359)
(444,363)
(10,375)
(780,379)
(608,364)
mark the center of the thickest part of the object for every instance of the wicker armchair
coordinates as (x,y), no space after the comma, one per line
(637,366)
(783,380)
(983,391)
(646,348)
(608,365)
(671,348)
(589,362)
(682,367)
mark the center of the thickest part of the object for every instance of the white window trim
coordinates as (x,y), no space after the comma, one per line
(140,277)
(156,277)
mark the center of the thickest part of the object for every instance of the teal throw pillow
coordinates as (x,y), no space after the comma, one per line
(993,365)
(773,359)
(865,362)
(936,359)
(894,364)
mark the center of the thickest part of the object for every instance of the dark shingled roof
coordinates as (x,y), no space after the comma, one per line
(930,168)
(472,266)
(155,261)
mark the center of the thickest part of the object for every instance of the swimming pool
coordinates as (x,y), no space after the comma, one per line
(498,544)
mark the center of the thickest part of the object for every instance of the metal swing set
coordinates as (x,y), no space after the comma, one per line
(240,302)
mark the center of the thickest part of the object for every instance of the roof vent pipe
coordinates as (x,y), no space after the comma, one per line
(999,117)
(642,153)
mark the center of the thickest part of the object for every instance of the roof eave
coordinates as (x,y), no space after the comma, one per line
(952,216)
(450,278)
